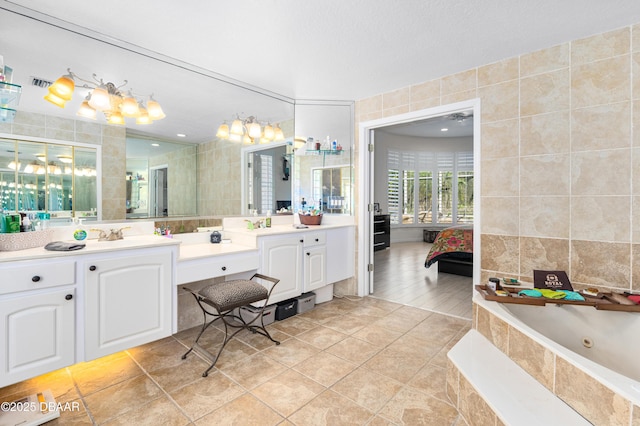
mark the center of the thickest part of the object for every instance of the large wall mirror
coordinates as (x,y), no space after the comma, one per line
(195,100)
(46,177)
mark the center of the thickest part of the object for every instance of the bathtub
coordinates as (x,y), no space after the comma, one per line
(604,345)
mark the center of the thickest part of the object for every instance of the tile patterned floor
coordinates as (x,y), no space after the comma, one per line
(400,276)
(360,361)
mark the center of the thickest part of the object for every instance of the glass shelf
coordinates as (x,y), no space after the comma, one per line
(323,152)
(9,95)
(7,115)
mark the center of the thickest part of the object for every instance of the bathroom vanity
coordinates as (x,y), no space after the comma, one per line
(59,308)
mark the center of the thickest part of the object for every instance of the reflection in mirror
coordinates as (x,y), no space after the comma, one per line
(267,179)
(323,162)
(48,177)
(161,178)
(332,188)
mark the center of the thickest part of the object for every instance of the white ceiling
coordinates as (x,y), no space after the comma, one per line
(329,49)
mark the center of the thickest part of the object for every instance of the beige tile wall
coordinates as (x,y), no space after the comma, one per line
(560,160)
(111,138)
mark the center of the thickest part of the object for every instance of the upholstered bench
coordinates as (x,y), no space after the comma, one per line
(224,298)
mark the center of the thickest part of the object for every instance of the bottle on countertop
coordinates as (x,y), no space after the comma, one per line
(268,219)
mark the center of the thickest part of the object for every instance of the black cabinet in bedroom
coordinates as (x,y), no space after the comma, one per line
(381,231)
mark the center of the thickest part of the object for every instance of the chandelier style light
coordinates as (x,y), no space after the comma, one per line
(249,130)
(106,98)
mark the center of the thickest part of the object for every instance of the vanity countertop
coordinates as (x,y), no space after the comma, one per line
(202,250)
(92,247)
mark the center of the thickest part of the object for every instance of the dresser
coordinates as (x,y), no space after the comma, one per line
(381,231)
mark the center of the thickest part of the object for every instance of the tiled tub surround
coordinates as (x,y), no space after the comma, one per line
(599,394)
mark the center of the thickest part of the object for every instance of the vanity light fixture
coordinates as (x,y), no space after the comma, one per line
(249,130)
(105,97)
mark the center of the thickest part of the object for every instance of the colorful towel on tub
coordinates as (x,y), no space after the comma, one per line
(455,242)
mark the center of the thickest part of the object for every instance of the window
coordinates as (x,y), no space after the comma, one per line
(266,179)
(421,183)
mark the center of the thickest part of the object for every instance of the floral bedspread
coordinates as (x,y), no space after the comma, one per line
(455,242)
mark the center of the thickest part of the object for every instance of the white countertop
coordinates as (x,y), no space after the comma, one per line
(91,247)
(201,250)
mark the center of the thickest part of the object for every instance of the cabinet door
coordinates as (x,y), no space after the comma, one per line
(315,268)
(37,333)
(281,258)
(128,302)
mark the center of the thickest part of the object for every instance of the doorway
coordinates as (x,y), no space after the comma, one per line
(367,177)
(159,191)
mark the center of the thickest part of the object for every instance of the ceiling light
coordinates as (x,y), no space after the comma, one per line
(249,130)
(444,129)
(67,159)
(104,97)
(155,144)
(181,135)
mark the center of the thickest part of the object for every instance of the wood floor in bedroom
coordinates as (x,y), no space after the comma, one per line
(400,276)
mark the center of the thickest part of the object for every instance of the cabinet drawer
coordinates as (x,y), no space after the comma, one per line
(202,269)
(35,275)
(315,239)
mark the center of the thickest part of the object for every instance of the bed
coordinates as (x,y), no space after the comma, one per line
(452,250)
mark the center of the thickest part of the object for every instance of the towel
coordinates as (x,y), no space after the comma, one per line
(635,298)
(530,293)
(63,246)
(572,295)
(552,294)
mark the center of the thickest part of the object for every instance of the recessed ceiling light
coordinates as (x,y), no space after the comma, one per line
(155,144)
(181,135)
(444,129)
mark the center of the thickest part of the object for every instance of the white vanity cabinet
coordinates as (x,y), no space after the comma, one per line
(128,300)
(281,258)
(37,318)
(340,245)
(315,261)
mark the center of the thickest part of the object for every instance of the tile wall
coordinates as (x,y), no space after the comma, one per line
(560,161)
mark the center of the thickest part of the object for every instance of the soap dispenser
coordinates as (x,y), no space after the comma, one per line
(215,237)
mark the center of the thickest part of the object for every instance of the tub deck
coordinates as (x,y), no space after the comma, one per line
(604,302)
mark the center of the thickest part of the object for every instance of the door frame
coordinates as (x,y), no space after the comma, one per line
(366,179)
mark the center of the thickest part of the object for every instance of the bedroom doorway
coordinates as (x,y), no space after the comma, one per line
(413,218)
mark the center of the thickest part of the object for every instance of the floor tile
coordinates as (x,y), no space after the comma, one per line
(287,392)
(354,350)
(207,394)
(116,400)
(330,409)
(104,372)
(253,370)
(158,412)
(325,368)
(291,352)
(321,337)
(412,407)
(368,388)
(245,410)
